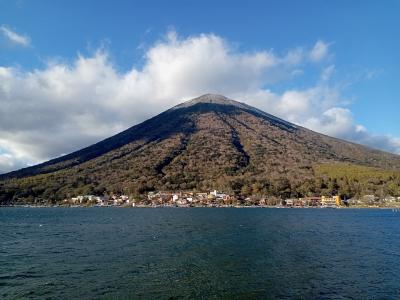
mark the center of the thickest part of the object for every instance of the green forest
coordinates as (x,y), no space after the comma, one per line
(346,180)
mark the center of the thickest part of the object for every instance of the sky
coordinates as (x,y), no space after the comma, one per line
(75,72)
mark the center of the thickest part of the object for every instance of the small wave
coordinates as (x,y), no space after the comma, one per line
(19,276)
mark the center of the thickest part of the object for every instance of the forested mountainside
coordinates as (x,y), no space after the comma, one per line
(210,142)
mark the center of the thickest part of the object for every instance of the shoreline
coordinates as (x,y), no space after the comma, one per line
(202,206)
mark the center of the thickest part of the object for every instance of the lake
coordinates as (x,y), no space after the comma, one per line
(185,253)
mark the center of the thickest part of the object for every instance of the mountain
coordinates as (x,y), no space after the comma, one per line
(205,143)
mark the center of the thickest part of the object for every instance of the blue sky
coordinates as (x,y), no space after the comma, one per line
(361,57)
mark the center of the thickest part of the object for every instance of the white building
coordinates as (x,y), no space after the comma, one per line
(289,202)
(218,195)
(124,198)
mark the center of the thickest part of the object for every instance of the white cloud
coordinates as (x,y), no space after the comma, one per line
(327,73)
(320,51)
(335,121)
(62,107)
(15,38)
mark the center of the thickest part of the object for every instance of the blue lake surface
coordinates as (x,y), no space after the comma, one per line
(203,253)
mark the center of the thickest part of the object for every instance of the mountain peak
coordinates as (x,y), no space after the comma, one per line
(211,99)
(220,100)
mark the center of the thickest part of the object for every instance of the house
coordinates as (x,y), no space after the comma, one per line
(218,195)
(90,197)
(330,201)
(201,195)
(299,202)
(289,202)
(81,198)
(311,201)
(102,200)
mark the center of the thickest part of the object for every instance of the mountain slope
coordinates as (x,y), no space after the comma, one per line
(208,142)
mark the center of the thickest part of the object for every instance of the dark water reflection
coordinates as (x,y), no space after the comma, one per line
(111,253)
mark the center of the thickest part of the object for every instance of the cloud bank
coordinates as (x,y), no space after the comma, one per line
(62,107)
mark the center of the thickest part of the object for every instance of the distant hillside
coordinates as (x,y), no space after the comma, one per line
(205,143)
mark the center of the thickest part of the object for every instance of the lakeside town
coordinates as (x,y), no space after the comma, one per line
(219,199)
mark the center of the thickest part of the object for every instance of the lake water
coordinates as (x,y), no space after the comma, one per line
(182,253)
